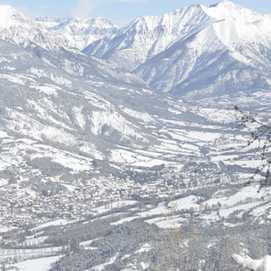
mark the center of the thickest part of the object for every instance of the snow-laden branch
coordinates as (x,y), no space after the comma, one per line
(247,263)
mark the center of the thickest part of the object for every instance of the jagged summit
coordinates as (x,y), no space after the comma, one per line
(171,52)
(10,16)
(147,36)
(164,50)
(230,10)
(51,33)
(225,3)
(79,32)
(8,10)
(20,29)
(98,22)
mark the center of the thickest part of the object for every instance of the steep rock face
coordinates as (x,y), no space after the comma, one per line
(232,53)
(147,36)
(204,64)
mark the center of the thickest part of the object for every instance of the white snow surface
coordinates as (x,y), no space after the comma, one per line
(43,264)
(170,50)
(247,263)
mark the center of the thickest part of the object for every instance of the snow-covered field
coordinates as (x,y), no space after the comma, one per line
(43,264)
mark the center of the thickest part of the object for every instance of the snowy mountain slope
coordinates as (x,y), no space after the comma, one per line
(147,36)
(66,116)
(79,33)
(88,150)
(56,78)
(20,29)
(223,47)
(68,111)
(61,111)
(204,64)
(231,54)
(72,33)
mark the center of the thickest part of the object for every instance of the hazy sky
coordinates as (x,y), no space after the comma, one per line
(117,10)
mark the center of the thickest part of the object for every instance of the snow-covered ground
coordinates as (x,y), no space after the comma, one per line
(85,143)
(43,264)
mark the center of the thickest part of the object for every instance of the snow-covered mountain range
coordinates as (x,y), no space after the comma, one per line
(67,114)
(102,138)
(50,33)
(198,49)
(79,32)
(23,30)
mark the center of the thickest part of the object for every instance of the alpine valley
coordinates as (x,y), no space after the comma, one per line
(120,146)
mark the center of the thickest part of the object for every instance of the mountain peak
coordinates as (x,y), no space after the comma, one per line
(8,10)
(79,32)
(225,3)
(229,10)
(10,16)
